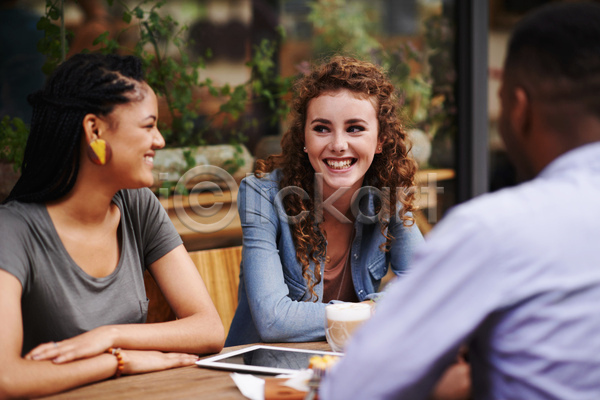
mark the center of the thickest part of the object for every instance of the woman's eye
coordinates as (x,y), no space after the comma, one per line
(320,128)
(355,129)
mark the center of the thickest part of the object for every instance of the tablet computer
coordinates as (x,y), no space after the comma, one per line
(263,359)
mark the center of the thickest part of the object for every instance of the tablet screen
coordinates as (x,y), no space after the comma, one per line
(264,359)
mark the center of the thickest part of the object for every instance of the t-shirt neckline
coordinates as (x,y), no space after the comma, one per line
(73,264)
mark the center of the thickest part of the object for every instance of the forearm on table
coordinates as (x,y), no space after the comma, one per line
(194,334)
(24,378)
(289,321)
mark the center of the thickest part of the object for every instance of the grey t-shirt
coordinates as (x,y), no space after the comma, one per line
(59,299)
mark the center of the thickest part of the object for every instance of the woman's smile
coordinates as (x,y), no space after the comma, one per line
(149,159)
(341,164)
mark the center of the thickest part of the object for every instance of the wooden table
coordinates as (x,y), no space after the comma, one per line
(179,383)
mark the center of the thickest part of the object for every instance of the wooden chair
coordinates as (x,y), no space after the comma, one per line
(220,270)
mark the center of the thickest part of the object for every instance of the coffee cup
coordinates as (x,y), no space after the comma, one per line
(342,319)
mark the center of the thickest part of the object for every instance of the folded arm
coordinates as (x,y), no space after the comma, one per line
(24,378)
(198,328)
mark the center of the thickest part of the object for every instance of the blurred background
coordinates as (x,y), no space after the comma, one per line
(224,69)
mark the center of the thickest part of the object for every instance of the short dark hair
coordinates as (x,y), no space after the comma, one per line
(554,53)
(84,84)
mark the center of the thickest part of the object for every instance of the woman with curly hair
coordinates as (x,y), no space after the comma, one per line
(78,231)
(325,219)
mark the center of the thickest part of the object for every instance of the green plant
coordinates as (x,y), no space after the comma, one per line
(173,79)
(13,137)
(423,75)
(14,131)
(54,43)
(177,78)
(343,27)
(265,86)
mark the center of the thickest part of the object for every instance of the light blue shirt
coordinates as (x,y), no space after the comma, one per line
(274,301)
(516,274)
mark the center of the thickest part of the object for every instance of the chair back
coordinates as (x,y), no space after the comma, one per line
(220,271)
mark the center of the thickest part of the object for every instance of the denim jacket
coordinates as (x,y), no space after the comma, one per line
(274,304)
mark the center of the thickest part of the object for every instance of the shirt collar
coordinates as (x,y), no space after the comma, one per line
(586,156)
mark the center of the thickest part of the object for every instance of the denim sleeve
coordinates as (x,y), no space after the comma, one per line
(406,240)
(276,316)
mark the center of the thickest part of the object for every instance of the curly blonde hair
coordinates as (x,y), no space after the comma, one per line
(393,168)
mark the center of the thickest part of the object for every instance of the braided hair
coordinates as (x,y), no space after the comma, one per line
(84,84)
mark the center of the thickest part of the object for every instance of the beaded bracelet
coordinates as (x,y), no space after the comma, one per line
(120,363)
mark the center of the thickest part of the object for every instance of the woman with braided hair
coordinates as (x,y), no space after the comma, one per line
(77,232)
(325,219)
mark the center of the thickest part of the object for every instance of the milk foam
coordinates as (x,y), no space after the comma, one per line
(348,311)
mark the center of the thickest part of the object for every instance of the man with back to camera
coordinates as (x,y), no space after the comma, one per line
(514,274)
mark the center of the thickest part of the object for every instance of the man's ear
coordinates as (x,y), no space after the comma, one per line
(91,127)
(520,114)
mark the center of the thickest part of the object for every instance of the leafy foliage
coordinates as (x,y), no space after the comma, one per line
(343,27)
(55,41)
(13,137)
(423,75)
(177,78)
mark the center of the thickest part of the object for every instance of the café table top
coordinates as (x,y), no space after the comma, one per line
(191,382)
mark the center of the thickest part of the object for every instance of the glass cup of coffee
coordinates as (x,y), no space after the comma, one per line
(342,319)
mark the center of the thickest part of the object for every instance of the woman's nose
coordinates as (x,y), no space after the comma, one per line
(338,143)
(159,141)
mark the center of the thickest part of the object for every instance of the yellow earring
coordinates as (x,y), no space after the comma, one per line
(99,152)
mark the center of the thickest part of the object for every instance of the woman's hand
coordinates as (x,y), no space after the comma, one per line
(141,361)
(86,345)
